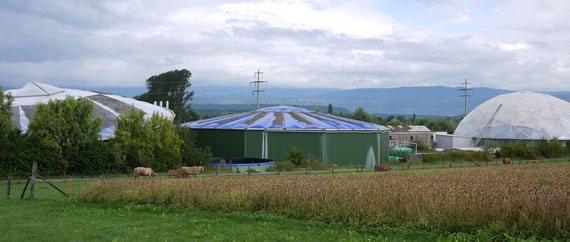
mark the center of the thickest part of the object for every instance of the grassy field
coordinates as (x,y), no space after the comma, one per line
(527,200)
(52,217)
(490,203)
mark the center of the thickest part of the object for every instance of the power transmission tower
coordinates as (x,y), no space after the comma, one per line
(465,89)
(257,84)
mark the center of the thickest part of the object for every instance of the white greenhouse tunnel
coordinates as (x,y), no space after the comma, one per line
(106,106)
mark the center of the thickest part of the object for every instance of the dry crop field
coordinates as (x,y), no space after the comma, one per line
(529,199)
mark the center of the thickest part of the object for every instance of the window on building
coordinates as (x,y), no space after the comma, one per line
(431,138)
(390,137)
(412,138)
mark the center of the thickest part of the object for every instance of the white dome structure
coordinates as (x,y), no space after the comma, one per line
(106,106)
(518,116)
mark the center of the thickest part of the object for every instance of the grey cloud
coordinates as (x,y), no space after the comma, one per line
(122,43)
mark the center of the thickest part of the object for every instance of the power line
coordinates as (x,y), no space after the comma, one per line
(257,84)
(465,89)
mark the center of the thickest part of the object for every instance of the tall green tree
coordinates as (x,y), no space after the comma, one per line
(174,87)
(68,123)
(5,115)
(360,114)
(146,142)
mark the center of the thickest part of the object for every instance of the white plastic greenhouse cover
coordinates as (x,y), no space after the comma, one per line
(106,106)
(519,115)
(284,118)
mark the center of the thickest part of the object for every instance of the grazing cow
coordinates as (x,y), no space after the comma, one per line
(506,161)
(193,170)
(383,167)
(144,171)
(176,173)
(477,163)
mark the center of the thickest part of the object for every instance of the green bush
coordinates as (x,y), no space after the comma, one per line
(251,170)
(531,151)
(315,164)
(67,123)
(20,151)
(146,142)
(282,166)
(456,156)
(94,160)
(296,156)
(5,115)
(191,154)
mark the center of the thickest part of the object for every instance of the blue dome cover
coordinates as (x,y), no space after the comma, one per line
(284,118)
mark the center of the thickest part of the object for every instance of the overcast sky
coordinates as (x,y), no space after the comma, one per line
(517,45)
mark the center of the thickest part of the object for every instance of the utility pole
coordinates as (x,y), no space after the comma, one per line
(257,84)
(465,89)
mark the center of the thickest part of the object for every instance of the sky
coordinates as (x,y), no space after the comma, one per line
(516,45)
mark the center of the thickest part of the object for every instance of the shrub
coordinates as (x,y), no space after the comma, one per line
(191,154)
(315,164)
(296,156)
(544,148)
(282,166)
(5,115)
(20,151)
(67,123)
(456,156)
(146,142)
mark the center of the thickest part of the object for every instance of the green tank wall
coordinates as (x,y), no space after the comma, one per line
(253,143)
(346,148)
(280,142)
(223,142)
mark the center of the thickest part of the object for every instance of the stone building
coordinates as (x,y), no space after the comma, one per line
(418,134)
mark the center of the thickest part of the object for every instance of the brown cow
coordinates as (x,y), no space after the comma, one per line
(176,173)
(383,167)
(192,170)
(506,161)
(144,171)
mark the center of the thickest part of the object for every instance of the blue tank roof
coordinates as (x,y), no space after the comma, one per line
(284,118)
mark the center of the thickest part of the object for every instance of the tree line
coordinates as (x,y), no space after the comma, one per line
(447,124)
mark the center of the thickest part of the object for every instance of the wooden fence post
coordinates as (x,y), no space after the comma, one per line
(9,187)
(33,185)
(70,194)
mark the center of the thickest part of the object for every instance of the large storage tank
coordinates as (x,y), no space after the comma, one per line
(270,132)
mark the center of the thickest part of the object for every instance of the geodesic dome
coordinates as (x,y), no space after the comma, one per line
(106,106)
(519,115)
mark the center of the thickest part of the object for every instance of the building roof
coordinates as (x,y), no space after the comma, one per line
(408,128)
(106,106)
(519,115)
(284,118)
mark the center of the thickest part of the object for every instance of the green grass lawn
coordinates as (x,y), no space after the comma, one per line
(52,217)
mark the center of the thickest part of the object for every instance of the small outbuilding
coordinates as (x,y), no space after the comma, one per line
(269,133)
(404,134)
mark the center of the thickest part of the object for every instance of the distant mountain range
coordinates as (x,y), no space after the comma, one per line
(426,100)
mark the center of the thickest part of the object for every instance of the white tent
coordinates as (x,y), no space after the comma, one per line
(106,106)
(519,115)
